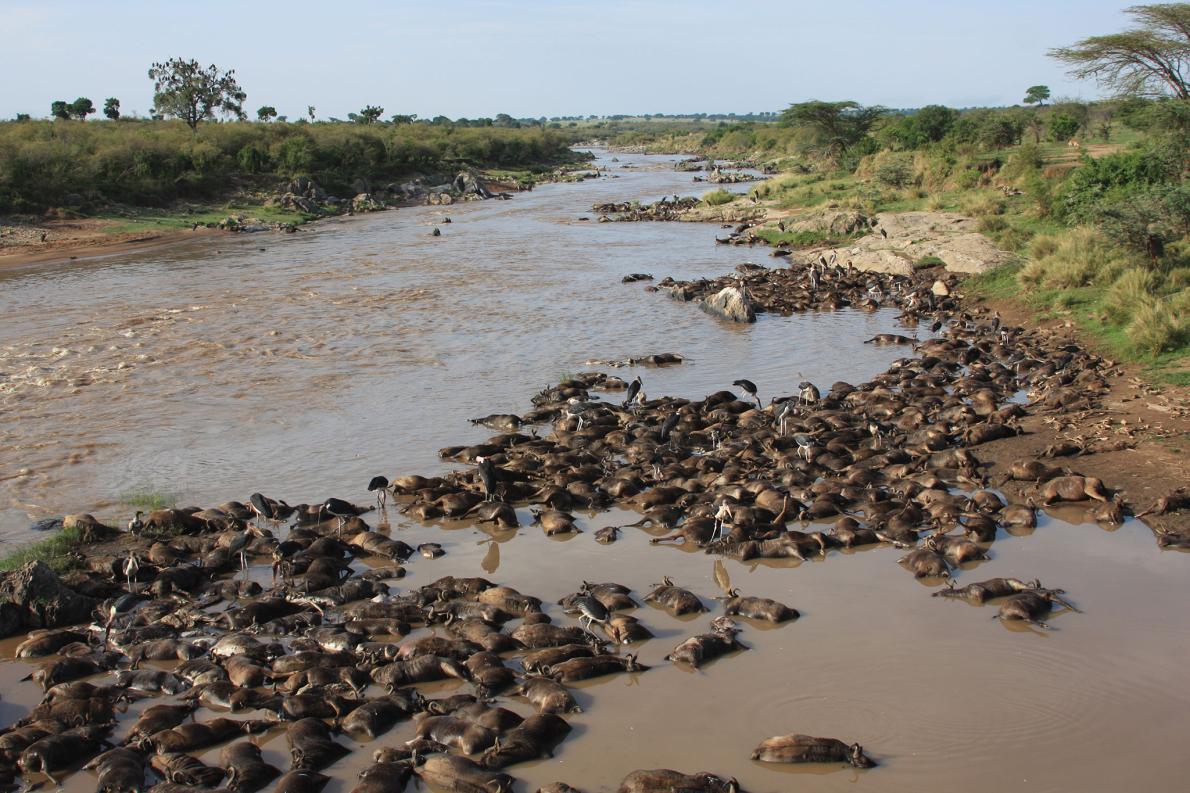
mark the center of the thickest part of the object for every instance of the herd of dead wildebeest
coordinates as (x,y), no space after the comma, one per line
(322,651)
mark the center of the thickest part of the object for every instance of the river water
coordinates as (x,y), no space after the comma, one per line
(302,365)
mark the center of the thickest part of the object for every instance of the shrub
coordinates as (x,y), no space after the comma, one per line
(1155,328)
(1062,127)
(894,170)
(983,204)
(1132,289)
(1081,257)
(719,197)
(1025,160)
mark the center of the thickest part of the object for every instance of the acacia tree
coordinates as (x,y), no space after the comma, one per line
(1037,94)
(60,108)
(111,108)
(185,90)
(266,112)
(837,126)
(1149,60)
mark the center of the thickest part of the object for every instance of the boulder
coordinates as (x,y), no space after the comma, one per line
(469,183)
(730,303)
(364,202)
(940,289)
(34,597)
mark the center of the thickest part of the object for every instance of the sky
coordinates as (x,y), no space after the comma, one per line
(535,58)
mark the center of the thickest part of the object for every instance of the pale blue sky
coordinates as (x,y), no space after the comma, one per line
(566,57)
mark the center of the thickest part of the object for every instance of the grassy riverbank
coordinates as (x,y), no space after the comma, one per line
(55,551)
(84,167)
(1091,200)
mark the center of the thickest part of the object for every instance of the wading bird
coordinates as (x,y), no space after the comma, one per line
(487,475)
(748,388)
(337,508)
(379,485)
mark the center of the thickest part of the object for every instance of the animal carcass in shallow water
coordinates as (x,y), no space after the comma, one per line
(808,749)
(595,666)
(1073,488)
(1032,606)
(548,696)
(697,650)
(663,780)
(983,591)
(120,770)
(451,772)
(758,608)
(674,599)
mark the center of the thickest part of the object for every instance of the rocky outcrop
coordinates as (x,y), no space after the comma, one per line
(365,202)
(730,303)
(720,176)
(34,597)
(896,242)
(835,222)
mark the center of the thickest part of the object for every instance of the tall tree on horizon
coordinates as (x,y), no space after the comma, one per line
(1037,94)
(185,90)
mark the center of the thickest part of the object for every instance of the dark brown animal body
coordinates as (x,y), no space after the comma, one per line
(697,650)
(675,600)
(663,780)
(758,609)
(247,772)
(808,749)
(983,591)
(461,775)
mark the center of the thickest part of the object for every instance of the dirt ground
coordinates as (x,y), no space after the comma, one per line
(25,242)
(1137,439)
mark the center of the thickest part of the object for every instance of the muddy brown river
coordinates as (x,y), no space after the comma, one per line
(302,365)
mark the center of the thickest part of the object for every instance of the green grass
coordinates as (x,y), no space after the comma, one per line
(54,551)
(149,500)
(130,220)
(798,239)
(719,197)
(999,283)
(926,262)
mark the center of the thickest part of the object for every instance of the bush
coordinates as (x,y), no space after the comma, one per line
(1062,127)
(983,204)
(894,170)
(1155,327)
(1132,289)
(1025,160)
(719,197)
(149,163)
(992,224)
(1080,257)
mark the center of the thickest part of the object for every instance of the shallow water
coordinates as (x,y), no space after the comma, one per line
(388,340)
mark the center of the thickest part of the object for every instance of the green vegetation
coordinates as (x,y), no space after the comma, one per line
(805,238)
(1091,196)
(719,197)
(1150,59)
(54,551)
(183,89)
(148,500)
(139,163)
(926,262)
